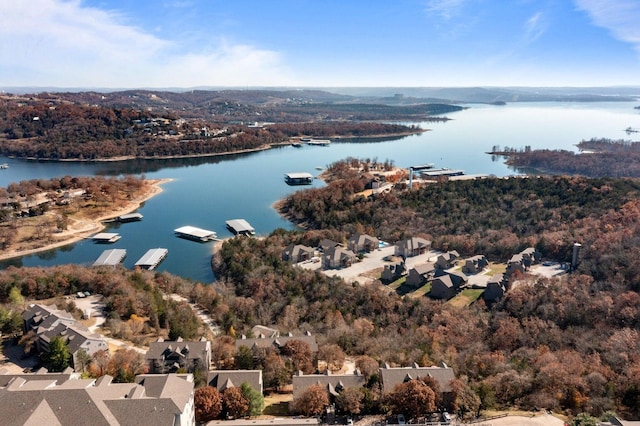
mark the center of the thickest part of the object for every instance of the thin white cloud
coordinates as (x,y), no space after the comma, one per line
(446,9)
(64,43)
(620,17)
(535,27)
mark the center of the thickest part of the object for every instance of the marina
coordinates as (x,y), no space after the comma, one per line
(298,178)
(240,227)
(152,258)
(111,257)
(106,237)
(195,234)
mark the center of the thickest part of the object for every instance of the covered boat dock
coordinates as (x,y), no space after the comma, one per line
(152,258)
(111,257)
(298,178)
(106,237)
(131,217)
(240,227)
(195,234)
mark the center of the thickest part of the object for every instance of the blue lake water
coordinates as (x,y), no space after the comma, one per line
(205,192)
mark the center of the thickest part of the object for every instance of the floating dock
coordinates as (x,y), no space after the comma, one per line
(111,257)
(195,234)
(106,237)
(131,217)
(240,227)
(320,142)
(435,173)
(298,178)
(152,258)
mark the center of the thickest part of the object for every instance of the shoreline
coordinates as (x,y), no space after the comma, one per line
(87,227)
(264,147)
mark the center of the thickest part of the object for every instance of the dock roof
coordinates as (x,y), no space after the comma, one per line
(110,257)
(299,175)
(106,236)
(192,231)
(152,257)
(240,226)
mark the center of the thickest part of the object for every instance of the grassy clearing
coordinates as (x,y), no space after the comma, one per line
(277,404)
(496,268)
(397,283)
(466,297)
(421,291)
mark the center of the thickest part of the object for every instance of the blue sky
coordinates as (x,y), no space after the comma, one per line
(319,43)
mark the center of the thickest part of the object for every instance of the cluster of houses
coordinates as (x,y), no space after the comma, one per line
(164,395)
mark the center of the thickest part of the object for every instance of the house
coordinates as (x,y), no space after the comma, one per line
(296,253)
(475,264)
(326,244)
(523,261)
(420,274)
(496,288)
(446,285)
(224,379)
(411,247)
(392,376)
(392,272)
(362,243)
(48,322)
(41,398)
(334,384)
(337,257)
(447,260)
(171,356)
(276,342)
(530,256)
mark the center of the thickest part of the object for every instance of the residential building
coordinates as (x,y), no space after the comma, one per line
(362,243)
(44,398)
(48,322)
(475,264)
(446,285)
(392,272)
(337,257)
(276,342)
(334,384)
(411,247)
(392,376)
(224,379)
(171,356)
(447,260)
(295,253)
(496,288)
(420,275)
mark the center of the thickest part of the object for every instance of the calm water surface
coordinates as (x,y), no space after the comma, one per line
(207,192)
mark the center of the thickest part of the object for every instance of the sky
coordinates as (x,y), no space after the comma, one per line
(121,44)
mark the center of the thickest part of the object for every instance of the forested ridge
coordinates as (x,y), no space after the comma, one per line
(599,157)
(495,216)
(53,129)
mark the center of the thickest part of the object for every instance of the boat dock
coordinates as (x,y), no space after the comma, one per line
(111,257)
(106,237)
(152,258)
(319,142)
(131,217)
(435,173)
(240,227)
(195,234)
(298,178)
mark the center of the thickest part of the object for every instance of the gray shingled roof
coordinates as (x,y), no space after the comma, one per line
(333,383)
(222,379)
(395,376)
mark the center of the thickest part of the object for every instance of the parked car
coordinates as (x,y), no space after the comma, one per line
(446,417)
(401,419)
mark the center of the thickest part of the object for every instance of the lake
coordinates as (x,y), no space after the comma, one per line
(205,192)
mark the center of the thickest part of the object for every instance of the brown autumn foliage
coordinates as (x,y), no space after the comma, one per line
(208,403)
(234,404)
(312,401)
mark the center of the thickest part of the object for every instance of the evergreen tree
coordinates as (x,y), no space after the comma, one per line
(57,358)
